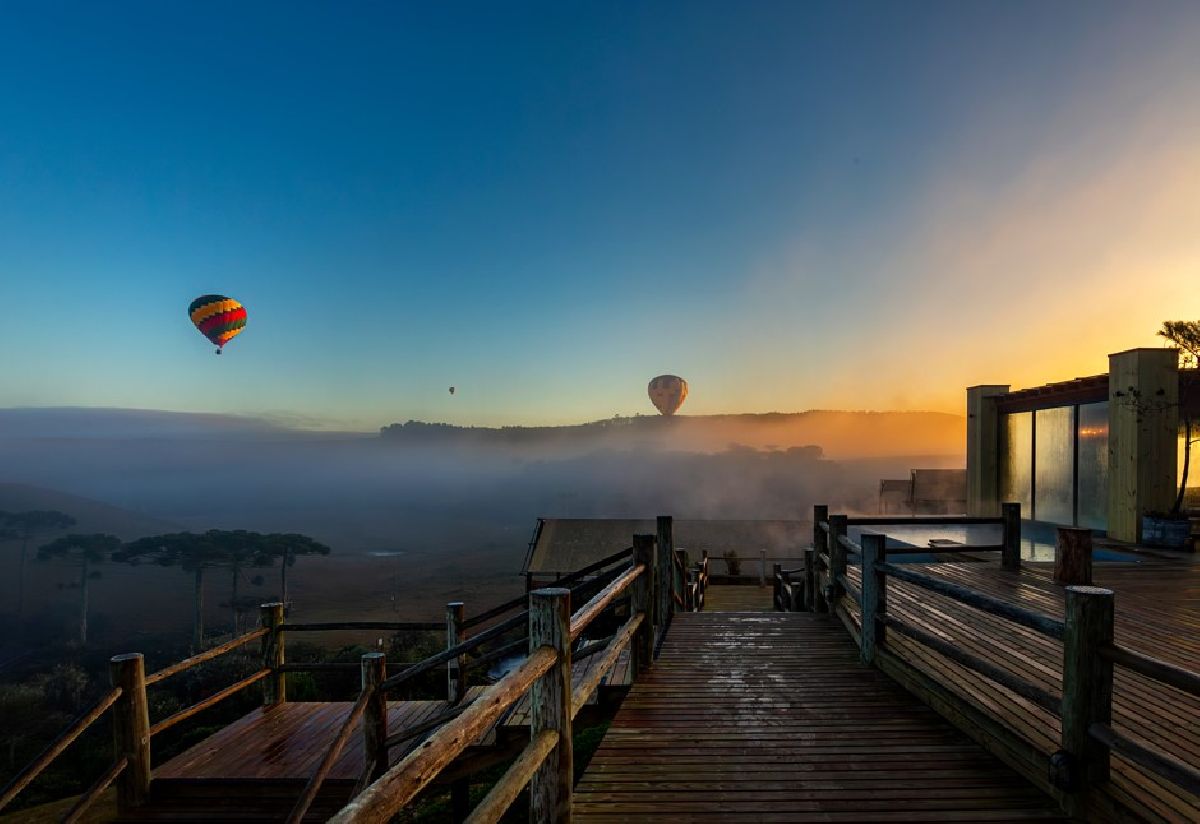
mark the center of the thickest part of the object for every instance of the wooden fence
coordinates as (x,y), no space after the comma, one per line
(545,765)
(1089,651)
(503,637)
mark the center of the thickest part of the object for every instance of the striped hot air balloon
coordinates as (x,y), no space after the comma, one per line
(667,393)
(220,319)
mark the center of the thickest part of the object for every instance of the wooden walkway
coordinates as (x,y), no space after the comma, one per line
(1157,612)
(769,717)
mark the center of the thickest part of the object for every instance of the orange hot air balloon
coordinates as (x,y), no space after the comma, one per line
(667,393)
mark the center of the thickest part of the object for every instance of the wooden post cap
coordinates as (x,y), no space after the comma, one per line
(1090,590)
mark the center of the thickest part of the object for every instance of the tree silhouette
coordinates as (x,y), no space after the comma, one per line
(234,550)
(288,546)
(1185,335)
(242,550)
(84,552)
(27,525)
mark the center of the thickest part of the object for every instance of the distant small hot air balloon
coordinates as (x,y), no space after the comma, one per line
(667,393)
(220,319)
(451,390)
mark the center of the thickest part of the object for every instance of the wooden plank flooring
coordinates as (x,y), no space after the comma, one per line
(770,717)
(740,598)
(1157,613)
(289,740)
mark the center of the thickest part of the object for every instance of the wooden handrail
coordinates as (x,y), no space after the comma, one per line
(55,747)
(416,730)
(588,612)
(100,785)
(850,589)
(502,794)
(392,626)
(925,520)
(583,691)
(207,655)
(499,654)
(331,755)
(1167,673)
(205,703)
(454,652)
(1001,676)
(400,784)
(1143,755)
(590,568)
(955,548)
(1025,617)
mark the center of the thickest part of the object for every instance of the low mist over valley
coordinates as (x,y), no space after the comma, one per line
(424,513)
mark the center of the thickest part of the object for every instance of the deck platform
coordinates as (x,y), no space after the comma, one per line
(753,716)
(739,598)
(1157,603)
(256,768)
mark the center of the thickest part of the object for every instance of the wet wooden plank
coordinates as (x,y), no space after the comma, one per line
(1157,613)
(770,716)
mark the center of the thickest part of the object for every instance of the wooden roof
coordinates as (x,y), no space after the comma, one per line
(567,544)
(1091,389)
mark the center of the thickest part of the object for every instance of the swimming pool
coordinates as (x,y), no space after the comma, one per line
(1037,541)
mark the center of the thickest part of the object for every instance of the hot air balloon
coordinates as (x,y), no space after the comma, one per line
(220,319)
(451,390)
(667,393)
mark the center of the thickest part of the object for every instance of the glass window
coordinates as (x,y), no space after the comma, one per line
(1093,465)
(1054,463)
(1016,459)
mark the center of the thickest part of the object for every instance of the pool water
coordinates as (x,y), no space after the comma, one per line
(1037,541)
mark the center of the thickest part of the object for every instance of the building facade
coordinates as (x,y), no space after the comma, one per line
(1096,452)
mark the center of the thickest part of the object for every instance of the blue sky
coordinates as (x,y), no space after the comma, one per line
(793,205)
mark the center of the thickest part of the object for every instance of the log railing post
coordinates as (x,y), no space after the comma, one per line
(1087,685)
(375,751)
(813,599)
(807,590)
(837,559)
(654,576)
(456,671)
(684,576)
(666,565)
(131,729)
(1073,556)
(1010,558)
(874,594)
(762,567)
(275,684)
(641,599)
(550,705)
(777,588)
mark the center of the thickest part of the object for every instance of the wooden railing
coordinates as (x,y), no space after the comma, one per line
(689,582)
(504,635)
(1089,655)
(132,730)
(545,764)
(372,701)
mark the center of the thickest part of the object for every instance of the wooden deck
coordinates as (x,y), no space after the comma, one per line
(287,741)
(1157,612)
(256,768)
(769,717)
(741,598)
